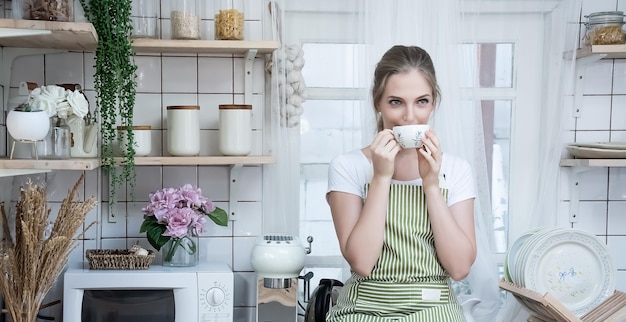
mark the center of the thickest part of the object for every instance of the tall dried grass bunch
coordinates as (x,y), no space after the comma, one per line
(31,262)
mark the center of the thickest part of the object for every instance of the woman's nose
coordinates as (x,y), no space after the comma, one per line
(410,114)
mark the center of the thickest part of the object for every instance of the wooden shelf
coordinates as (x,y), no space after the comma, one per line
(204,46)
(79,36)
(203,160)
(611,51)
(31,164)
(593,163)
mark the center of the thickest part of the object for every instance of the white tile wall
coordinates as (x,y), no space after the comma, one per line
(603,190)
(162,80)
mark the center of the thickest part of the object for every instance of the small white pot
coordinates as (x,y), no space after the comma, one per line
(28,126)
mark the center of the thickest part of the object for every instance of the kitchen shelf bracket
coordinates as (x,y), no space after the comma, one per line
(247,81)
(574,203)
(581,66)
(233,191)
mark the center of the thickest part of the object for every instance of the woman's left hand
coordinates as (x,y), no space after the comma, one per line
(429,157)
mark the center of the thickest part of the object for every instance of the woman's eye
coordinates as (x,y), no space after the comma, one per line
(394,102)
(423,101)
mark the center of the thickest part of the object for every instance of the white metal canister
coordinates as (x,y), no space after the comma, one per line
(235,129)
(183,130)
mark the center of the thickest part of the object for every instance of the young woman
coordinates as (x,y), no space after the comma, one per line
(404,217)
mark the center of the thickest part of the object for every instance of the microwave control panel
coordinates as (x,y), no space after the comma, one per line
(215,298)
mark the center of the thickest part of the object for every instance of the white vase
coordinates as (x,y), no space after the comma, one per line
(28,126)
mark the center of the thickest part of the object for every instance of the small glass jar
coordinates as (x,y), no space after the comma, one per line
(605,28)
(145,19)
(183,130)
(235,129)
(49,10)
(60,137)
(229,21)
(185,19)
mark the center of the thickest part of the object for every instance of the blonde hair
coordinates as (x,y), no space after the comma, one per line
(401,59)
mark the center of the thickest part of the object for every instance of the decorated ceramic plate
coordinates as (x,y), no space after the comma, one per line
(595,153)
(573,266)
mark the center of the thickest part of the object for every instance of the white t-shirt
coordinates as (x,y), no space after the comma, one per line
(349,172)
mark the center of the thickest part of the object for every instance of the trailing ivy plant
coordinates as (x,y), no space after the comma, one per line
(115,85)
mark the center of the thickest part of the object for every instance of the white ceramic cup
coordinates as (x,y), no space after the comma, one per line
(410,136)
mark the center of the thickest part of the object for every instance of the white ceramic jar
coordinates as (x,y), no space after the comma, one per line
(142,137)
(235,129)
(183,130)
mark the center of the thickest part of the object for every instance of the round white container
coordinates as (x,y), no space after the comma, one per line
(235,129)
(28,126)
(183,130)
(142,138)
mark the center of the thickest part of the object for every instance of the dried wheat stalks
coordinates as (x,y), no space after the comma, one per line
(31,264)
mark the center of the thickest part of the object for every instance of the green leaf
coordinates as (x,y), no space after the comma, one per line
(154,232)
(219,216)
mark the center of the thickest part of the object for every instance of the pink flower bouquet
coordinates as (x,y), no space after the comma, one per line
(176,214)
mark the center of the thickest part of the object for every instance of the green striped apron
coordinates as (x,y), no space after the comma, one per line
(407,283)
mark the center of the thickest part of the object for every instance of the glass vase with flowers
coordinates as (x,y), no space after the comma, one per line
(66,109)
(174,217)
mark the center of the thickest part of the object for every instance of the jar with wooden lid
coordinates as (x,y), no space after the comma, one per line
(185,19)
(605,28)
(142,138)
(183,130)
(235,129)
(229,21)
(49,10)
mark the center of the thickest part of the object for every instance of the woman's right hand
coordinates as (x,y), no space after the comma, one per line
(384,149)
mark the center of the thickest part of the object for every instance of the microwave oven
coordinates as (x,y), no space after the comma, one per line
(203,293)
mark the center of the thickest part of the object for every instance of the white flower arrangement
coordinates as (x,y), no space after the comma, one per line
(58,101)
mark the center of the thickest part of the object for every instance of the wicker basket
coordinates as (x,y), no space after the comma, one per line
(118,259)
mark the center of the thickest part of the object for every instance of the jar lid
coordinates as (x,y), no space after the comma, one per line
(235,107)
(183,107)
(135,127)
(605,17)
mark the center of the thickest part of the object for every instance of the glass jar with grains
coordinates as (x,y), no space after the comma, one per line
(185,19)
(228,21)
(605,28)
(51,10)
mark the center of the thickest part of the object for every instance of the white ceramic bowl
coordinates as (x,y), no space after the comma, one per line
(28,126)
(410,136)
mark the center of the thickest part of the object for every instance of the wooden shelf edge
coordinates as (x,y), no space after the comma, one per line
(203,160)
(593,163)
(204,46)
(611,51)
(79,36)
(67,164)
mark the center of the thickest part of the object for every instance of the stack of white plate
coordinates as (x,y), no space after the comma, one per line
(572,265)
(598,150)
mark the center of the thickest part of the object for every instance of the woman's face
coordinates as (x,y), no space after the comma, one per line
(407,99)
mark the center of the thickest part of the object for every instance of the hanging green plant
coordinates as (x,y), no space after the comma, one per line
(115,85)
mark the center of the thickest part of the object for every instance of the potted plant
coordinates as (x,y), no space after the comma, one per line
(174,217)
(25,123)
(115,85)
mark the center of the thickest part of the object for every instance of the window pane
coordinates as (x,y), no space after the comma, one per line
(488,65)
(330,65)
(329,128)
(497,126)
